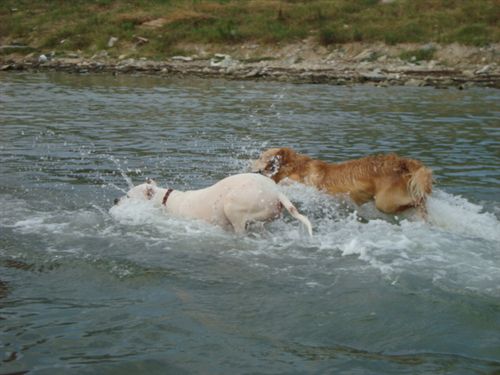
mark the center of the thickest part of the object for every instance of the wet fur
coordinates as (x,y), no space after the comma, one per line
(393,182)
(231,203)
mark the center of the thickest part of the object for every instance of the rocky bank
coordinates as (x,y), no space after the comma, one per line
(305,62)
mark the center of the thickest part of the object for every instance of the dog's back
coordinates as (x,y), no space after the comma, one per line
(394,182)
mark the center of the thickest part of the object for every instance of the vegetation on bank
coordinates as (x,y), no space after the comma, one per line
(158,28)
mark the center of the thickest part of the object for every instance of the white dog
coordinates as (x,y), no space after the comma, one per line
(231,203)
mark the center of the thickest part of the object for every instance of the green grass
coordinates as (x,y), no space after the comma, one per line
(423,54)
(87,25)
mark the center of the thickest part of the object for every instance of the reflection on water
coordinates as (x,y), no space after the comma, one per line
(87,289)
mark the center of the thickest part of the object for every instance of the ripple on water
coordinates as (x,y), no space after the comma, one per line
(89,287)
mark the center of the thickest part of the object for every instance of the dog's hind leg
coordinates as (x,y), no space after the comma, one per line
(295,213)
(393,199)
(239,226)
(422,211)
(237,216)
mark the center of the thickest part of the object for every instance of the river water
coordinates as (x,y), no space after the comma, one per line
(86,290)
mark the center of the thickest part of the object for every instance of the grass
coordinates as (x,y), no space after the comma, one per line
(87,25)
(422,54)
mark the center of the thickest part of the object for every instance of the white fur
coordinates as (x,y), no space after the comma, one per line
(231,203)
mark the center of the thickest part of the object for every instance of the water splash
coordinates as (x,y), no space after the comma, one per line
(457,215)
(122,172)
(457,248)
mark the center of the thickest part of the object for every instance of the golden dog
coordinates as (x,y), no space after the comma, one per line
(393,182)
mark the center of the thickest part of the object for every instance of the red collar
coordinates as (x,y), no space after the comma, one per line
(165,197)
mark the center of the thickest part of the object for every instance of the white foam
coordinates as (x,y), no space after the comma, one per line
(40,223)
(134,212)
(457,215)
(142,213)
(458,248)
(58,223)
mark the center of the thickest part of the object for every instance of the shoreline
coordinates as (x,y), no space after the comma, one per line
(378,65)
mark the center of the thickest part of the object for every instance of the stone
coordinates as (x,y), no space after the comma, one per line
(182,58)
(468,73)
(223,61)
(231,69)
(254,73)
(375,75)
(156,23)
(112,40)
(415,82)
(484,70)
(127,62)
(428,47)
(139,40)
(100,55)
(69,61)
(367,54)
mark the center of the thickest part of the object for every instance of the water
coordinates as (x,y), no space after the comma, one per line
(87,290)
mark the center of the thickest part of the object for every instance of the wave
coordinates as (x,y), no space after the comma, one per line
(457,248)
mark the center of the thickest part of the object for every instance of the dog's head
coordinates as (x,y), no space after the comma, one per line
(271,162)
(145,191)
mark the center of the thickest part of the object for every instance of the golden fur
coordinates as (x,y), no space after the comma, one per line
(394,182)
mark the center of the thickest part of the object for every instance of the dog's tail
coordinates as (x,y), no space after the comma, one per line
(420,185)
(294,212)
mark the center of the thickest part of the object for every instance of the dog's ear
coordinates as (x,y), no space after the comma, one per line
(150,192)
(151,181)
(275,162)
(284,154)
